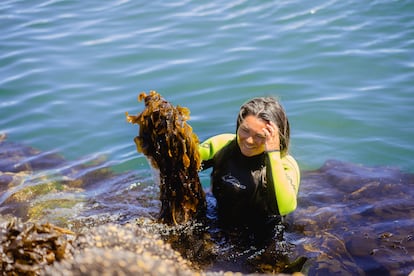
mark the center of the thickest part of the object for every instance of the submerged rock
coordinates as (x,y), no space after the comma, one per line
(355,220)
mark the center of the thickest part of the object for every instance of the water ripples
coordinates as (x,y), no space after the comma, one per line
(69,70)
(72,63)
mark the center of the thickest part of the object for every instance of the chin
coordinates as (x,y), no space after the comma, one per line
(249,152)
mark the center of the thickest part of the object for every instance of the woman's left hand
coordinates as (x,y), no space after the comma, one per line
(272,141)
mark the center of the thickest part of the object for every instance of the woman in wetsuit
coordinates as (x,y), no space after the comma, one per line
(254,179)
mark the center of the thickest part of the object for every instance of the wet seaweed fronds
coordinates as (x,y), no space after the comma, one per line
(168,141)
(25,248)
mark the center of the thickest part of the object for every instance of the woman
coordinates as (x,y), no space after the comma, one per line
(254,179)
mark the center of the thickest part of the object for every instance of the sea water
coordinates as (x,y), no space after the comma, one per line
(343,70)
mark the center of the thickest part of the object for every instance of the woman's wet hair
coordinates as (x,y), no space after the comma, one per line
(270,110)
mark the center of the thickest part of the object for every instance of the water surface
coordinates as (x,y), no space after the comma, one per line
(344,70)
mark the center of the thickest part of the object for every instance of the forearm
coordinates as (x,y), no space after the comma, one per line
(284,176)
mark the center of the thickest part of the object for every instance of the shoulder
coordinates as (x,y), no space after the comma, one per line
(218,139)
(212,145)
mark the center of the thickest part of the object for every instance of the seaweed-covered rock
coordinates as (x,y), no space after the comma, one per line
(25,248)
(121,250)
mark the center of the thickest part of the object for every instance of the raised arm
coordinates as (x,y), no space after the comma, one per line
(284,176)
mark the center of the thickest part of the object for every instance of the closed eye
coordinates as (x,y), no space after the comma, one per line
(245,130)
(260,136)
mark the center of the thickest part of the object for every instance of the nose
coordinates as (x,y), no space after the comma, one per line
(249,139)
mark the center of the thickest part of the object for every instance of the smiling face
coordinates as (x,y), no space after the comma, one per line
(250,136)
(265,112)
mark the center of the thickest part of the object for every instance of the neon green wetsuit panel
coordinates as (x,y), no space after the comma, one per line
(285,191)
(212,145)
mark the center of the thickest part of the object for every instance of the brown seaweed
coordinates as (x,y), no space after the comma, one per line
(168,141)
(25,248)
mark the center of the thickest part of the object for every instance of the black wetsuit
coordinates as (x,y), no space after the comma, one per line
(239,184)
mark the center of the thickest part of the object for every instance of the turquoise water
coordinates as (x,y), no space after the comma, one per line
(344,71)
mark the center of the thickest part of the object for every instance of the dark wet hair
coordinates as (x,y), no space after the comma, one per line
(268,109)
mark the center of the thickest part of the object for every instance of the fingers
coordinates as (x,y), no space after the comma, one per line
(270,130)
(271,133)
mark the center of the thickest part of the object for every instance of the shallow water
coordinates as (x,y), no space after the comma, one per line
(351,219)
(342,69)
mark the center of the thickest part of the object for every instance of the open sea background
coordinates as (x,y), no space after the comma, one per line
(344,71)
